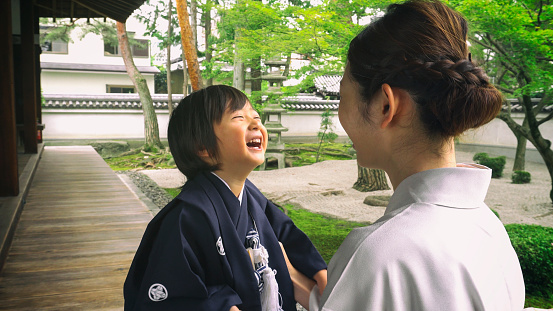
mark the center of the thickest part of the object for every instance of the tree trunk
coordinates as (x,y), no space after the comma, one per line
(169,35)
(255,70)
(369,179)
(543,145)
(194,22)
(184,76)
(151,130)
(520,156)
(287,67)
(208,50)
(188,46)
(238,80)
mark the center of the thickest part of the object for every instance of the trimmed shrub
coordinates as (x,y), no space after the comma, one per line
(480,156)
(534,247)
(521,177)
(496,164)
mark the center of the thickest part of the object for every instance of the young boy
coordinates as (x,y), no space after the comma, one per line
(216,245)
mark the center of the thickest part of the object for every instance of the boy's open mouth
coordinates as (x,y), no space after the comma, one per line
(254,143)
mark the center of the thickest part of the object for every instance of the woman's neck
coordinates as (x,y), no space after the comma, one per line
(415,160)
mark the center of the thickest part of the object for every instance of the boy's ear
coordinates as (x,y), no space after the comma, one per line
(203,153)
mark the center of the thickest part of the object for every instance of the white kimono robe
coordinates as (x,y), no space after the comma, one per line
(437,247)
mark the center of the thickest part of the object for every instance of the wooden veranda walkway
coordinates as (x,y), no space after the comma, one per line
(76,236)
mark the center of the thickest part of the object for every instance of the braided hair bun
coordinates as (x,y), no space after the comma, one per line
(421,46)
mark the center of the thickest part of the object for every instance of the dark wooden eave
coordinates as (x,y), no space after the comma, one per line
(118,10)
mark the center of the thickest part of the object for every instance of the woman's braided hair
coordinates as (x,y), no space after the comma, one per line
(420,46)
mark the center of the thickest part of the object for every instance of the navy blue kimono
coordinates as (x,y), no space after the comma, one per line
(192,255)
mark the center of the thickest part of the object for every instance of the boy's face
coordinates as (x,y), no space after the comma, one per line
(241,140)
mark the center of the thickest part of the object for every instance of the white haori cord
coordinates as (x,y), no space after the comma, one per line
(270,297)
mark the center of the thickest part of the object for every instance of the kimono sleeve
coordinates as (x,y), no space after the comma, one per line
(300,250)
(181,270)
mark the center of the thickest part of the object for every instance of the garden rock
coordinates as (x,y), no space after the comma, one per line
(377,200)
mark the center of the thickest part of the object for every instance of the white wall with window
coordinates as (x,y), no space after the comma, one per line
(92,50)
(92,66)
(88,82)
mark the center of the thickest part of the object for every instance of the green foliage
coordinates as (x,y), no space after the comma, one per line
(59,30)
(480,156)
(534,247)
(326,131)
(496,164)
(538,302)
(173,191)
(326,233)
(154,14)
(160,81)
(521,177)
(513,38)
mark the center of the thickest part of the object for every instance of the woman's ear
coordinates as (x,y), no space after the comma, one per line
(389,105)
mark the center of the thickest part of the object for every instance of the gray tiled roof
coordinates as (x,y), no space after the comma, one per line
(309,102)
(516,107)
(328,85)
(105,101)
(132,101)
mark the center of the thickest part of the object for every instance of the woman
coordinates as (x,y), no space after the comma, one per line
(409,88)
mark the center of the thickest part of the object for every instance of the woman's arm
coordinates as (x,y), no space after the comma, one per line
(302,284)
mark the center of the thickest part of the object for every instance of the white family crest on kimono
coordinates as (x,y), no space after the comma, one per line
(220,247)
(158,292)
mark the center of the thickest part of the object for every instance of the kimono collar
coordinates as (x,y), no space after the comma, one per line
(464,186)
(241,192)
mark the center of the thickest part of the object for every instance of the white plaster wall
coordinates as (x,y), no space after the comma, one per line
(307,123)
(129,124)
(98,124)
(90,49)
(498,133)
(85,82)
(116,124)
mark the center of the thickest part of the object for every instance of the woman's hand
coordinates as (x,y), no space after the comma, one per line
(321,278)
(234,308)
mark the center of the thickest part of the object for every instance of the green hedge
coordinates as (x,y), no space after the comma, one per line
(534,247)
(496,164)
(521,177)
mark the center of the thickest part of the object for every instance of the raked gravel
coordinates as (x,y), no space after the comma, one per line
(326,187)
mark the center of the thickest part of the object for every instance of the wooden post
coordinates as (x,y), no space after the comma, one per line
(28,72)
(38,87)
(9,180)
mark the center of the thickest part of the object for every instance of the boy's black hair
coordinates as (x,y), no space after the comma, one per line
(190,129)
